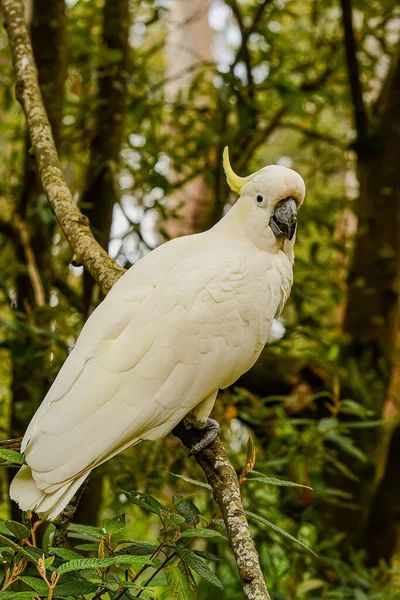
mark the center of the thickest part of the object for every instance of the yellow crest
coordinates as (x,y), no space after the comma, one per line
(235,182)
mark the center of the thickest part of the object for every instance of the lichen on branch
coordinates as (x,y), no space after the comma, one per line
(73,223)
(226,490)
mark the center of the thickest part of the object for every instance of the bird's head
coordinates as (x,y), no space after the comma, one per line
(268,203)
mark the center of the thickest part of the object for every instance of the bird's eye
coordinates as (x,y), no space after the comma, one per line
(260,200)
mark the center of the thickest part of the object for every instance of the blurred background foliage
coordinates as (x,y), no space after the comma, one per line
(143,96)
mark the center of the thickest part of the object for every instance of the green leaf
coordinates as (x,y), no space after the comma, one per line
(202,533)
(65,554)
(309,586)
(341,467)
(187,509)
(17,529)
(48,536)
(88,547)
(179,584)
(87,531)
(12,457)
(199,566)
(331,542)
(193,481)
(275,481)
(17,595)
(173,519)
(187,571)
(72,584)
(351,407)
(36,584)
(277,529)
(371,424)
(219,523)
(99,563)
(347,445)
(139,549)
(206,555)
(115,525)
(111,585)
(18,549)
(49,561)
(3,529)
(178,499)
(145,501)
(327,424)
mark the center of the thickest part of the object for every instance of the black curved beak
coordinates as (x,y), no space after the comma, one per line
(284,219)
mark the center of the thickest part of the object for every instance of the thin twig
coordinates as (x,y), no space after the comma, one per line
(13,444)
(33,271)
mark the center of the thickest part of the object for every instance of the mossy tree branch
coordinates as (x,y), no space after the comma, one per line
(74,224)
(226,490)
(33,233)
(214,461)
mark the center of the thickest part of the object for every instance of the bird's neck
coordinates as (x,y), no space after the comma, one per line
(249,229)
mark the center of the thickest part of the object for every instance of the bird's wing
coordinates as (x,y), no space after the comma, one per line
(196,331)
(108,321)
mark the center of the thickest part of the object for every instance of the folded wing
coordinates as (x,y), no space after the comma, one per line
(148,356)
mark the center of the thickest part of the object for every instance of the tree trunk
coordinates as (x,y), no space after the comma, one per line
(189,46)
(372,313)
(101,193)
(383,522)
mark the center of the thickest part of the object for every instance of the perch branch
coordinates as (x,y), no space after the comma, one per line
(226,490)
(74,224)
(214,461)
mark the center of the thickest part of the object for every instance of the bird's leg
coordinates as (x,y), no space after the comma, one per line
(204,429)
(210,430)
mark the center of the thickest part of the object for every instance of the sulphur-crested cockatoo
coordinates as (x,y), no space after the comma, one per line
(184,322)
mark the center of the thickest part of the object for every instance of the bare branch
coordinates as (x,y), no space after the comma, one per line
(14,444)
(31,263)
(243,50)
(74,225)
(360,114)
(314,134)
(261,137)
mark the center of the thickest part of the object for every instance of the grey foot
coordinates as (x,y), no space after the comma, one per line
(211,431)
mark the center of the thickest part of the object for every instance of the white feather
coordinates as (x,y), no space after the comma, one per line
(184,322)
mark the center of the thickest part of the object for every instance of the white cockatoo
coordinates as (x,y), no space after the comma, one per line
(184,322)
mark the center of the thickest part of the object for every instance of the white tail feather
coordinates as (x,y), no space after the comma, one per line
(26,493)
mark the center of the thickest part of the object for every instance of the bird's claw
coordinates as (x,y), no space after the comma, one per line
(211,432)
